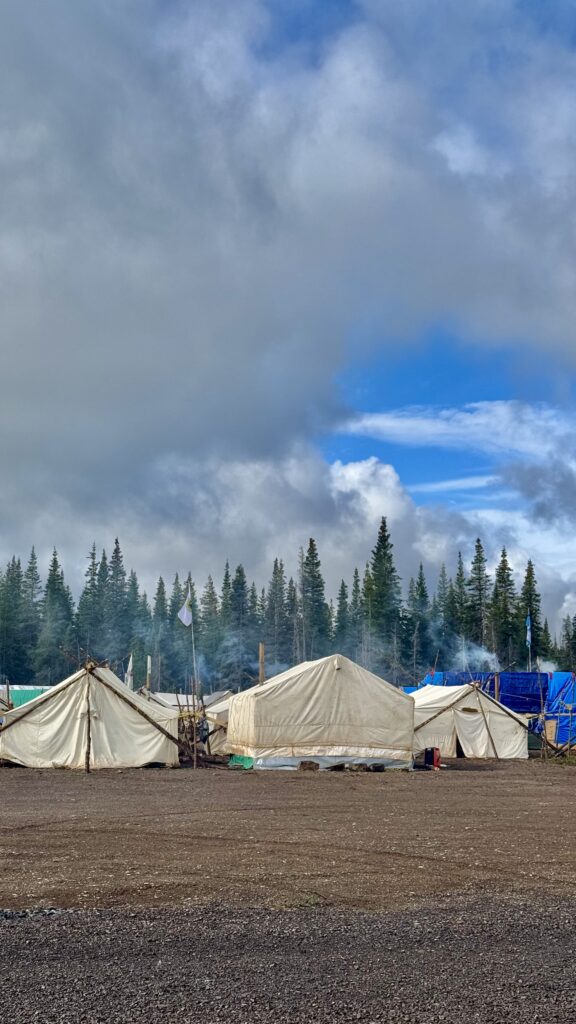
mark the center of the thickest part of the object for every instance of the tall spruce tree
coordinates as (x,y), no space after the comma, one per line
(116,616)
(342,636)
(356,617)
(13,662)
(529,604)
(160,639)
(315,611)
(278,637)
(211,631)
(385,595)
(89,614)
(503,614)
(478,598)
(53,657)
(460,599)
(31,611)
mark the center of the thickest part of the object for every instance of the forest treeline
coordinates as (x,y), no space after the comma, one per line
(472,620)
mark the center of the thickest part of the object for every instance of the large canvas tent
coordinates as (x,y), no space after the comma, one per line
(445,716)
(89,720)
(330,711)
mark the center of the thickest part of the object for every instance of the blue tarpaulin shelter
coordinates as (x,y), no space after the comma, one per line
(522,692)
(561,709)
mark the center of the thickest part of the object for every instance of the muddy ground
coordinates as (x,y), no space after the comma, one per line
(289,897)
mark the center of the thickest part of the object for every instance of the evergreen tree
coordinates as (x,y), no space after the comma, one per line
(31,611)
(356,617)
(342,622)
(116,615)
(460,600)
(529,604)
(503,615)
(278,632)
(478,598)
(315,612)
(52,658)
(160,639)
(567,647)
(89,625)
(211,633)
(178,651)
(293,614)
(418,608)
(13,662)
(138,615)
(546,644)
(385,597)
(442,619)
(225,598)
(235,659)
(366,654)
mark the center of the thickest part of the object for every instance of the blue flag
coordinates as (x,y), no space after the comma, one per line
(528,630)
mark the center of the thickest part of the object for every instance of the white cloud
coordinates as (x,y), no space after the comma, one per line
(503,428)
(465,483)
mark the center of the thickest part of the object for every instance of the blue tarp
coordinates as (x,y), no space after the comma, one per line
(523,692)
(561,707)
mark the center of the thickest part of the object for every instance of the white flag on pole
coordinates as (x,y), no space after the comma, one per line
(185,613)
(128,676)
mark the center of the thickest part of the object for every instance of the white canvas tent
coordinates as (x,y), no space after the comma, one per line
(217,715)
(446,715)
(330,711)
(91,719)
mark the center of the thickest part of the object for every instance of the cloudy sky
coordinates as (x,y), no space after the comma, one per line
(274,268)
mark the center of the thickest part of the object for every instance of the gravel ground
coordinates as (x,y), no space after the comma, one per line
(493,961)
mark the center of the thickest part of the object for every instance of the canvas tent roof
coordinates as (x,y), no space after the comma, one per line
(329,711)
(184,701)
(446,715)
(125,730)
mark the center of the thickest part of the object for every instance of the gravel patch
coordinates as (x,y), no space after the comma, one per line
(487,960)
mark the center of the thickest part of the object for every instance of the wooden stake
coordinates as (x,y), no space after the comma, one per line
(261,663)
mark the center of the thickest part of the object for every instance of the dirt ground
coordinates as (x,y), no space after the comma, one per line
(288,898)
(158,837)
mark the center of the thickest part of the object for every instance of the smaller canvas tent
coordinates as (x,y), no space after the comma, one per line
(90,719)
(447,715)
(330,711)
(217,715)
